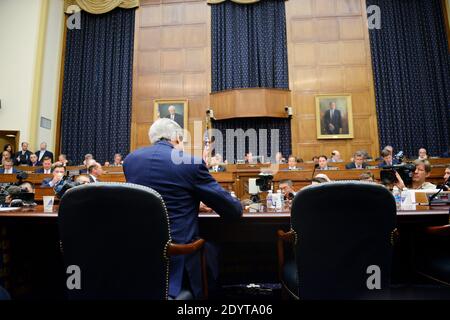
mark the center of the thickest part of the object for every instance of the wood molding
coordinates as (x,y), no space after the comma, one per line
(253,102)
(446,8)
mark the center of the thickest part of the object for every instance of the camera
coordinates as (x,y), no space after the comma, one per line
(405,170)
(264,182)
(288,111)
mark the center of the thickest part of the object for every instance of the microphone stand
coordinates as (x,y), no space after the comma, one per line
(431,198)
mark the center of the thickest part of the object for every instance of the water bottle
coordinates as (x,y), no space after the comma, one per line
(269,200)
(398,198)
(279,203)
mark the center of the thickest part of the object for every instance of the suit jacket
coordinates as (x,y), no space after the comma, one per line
(178,118)
(57,187)
(219,169)
(23,158)
(41,170)
(2,171)
(336,121)
(46,154)
(384,164)
(352,165)
(182,187)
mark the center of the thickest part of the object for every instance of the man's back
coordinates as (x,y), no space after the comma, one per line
(182,187)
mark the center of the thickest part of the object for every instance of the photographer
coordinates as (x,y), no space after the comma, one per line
(422,171)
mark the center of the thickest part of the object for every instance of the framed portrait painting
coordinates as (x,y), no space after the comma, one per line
(177,110)
(334,116)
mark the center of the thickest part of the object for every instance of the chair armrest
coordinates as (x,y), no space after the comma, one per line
(286,236)
(178,249)
(283,237)
(443,231)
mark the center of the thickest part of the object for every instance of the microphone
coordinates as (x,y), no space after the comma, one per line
(431,198)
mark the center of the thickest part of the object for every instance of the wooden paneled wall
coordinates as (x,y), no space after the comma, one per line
(172,60)
(329,53)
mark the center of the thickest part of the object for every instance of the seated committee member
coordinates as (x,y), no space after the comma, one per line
(34,161)
(57,181)
(118,161)
(8,167)
(336,156)
(182,186)
(323,164)
(367,176)
(95,171)
(387,159)
(62,160)
(87,163)
(358,162)
(43,152)
(422,172)
(423,154)
(292,163)
(249,158)
(23,156)
(215,164)
(46,166)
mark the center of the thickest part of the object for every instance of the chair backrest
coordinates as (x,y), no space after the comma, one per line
(117,234)
(342,229)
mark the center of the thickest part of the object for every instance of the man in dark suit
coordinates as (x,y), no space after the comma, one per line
(43,152)
(46,166)
(178,118)
(95,171)
(332,120)
(358,161)
(8,168)
(183,181)
(57,182)
(387,159)
(22,157)
(33,162)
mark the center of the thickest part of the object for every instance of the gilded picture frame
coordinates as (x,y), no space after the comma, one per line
(334,116)
(162,109)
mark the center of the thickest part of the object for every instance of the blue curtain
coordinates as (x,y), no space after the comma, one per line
(248,45)
(263,127)
(411,67)
(97,89)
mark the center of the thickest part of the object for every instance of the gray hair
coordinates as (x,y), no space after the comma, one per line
(165,129)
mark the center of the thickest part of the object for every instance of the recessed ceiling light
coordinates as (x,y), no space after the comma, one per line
(11,135)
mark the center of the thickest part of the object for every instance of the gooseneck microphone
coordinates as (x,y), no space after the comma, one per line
(444,185)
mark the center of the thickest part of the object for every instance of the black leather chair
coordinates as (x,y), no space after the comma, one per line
(118,235)
(432,254)
(338,230)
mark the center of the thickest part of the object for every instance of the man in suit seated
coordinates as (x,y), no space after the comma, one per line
(422,172)
(323,164)
(118,162)
(446,187)
(43,152)
(249,158)
(386,154)
(34,161)
(22,157)
(287,189)
(95,171)
(62,160)
(57,181)
(8,168)
(87,164)
(358,161)
(336,156)
(292,163)
(216,164)
(46,166)
(183,181)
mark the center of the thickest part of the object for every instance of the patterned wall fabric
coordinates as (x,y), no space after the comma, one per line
(411,67)
(283,125)
(97,90)
(248,45)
